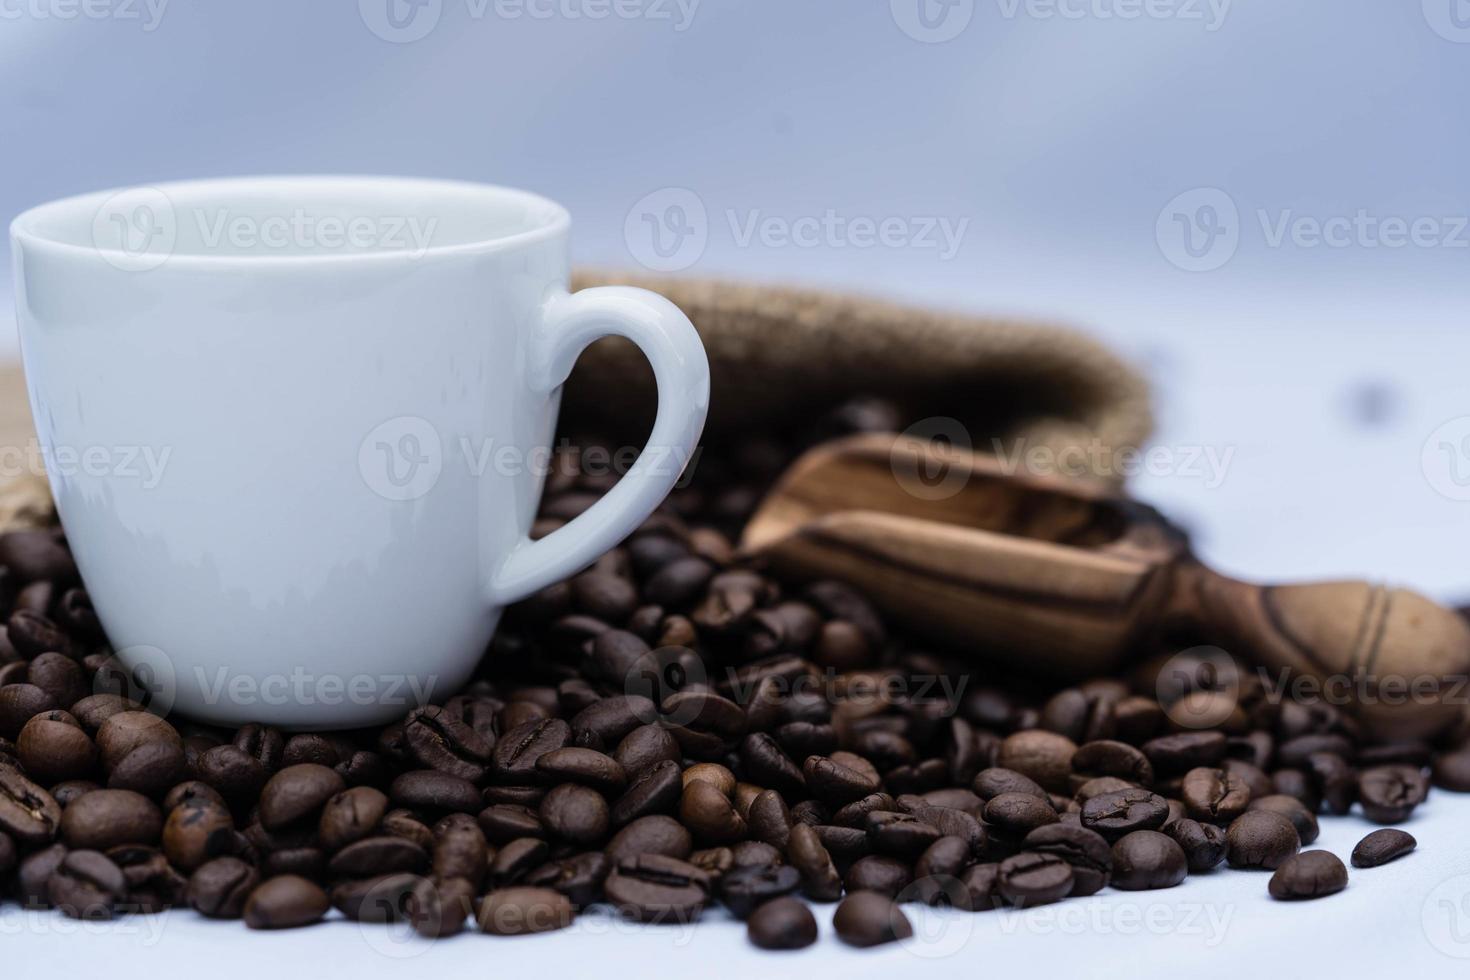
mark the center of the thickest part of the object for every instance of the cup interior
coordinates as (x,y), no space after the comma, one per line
(293,217)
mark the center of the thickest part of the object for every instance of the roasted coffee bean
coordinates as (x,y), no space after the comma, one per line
(219,888)
(754,854)
(834,783)
(1260,839)
(507,821)
(586,766)
(1034,878)
(265,745)
(59,676)
(27,812)
(196,832)
(819,878)
(429,789)
(803,739)
(1299,750)
(93,710)
(714,861)
(878,873)
(1451,770)
(867,918)
(1381,847)
(106,818)
(901,835)
(1115,814)
(87,885)
(769,820)
(189,791)
(954,823)
(1086,851)
(656,834)
(1110,758)
(1204,844)
(285,902)
(376,899)
(578,877)
(767,764)
(713,773)
(1310,874)
(297,793)
(438,907)
(656,888)
(150,769)
(515,860)
(744,888)
(1042,756)
(1335,780)
(855,814)
(234,773)
(782,923)
(126,732)
(1304,820)
(1390,793)
(1175,755)
(645,747)
(657,789)
(523,911)
(709,814)
(678,582)
(460,849)
(19,703)
(153,884)
(575,813)
(1147,859)
(1214,795)
(403,823)
(1014,815)
(438,740)
(1254,778)
(32,634)
(1297,784)
(990,783)
(34,873)
(936,869)
(379,855)
(608,722)
(350,816)
(514,757)
(845,844)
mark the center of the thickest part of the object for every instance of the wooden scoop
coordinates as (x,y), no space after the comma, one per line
(1066,577)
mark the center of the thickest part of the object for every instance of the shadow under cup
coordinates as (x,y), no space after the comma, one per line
(292,428)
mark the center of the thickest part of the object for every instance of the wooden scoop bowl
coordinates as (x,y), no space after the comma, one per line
(1066,577)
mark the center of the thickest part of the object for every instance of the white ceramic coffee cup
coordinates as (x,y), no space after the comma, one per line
(296,428)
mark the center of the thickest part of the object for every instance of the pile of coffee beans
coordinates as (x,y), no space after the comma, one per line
(667,731)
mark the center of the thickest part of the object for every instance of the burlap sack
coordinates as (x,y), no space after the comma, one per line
(780,354)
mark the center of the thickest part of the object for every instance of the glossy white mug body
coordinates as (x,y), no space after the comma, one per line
(296,428)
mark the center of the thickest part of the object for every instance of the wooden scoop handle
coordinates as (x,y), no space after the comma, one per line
(1398,661)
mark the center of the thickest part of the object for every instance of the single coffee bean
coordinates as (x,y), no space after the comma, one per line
(767,764)
(754,854)
(714,861)
(87,885)
(28,813)
(196,832)
(782,923)
(285,902)
(1147,859)
(265,745)
(878,873)
(769,820)
(153,884)
(743,889)
(1109,758)
(655,834)
(350,816)
(709,814)
(656,888)
(107,818)
(1086,851)
(59,676)
(219,888)
(429,789)
(901,835)
(645,747)
(32,634)
(460,849)
(438,740)
(1260,839)
(507,821)
(379,855)
(1335,780)
(1304,820)
(588,767)
(234,773)
(438,907)
(579,877)
(1390,793)
(524,910)
(655,790)
(936,871)
(189,791)
(126,732)
(608,722)
(1204,844)
(713,773)
(1175,755)
(1042,756)
(1114,815)
(856,813)
(1310,874)
(1214,795)
(514,757)
(819,878)
(834,783)
(515,860)
(1014,815)
(19,703)
(297,793)
(1381,847)
(867,918)
(150,769)
(575,813)
(377,899)
(1033,878)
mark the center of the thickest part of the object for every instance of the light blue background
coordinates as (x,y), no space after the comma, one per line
(1057,139)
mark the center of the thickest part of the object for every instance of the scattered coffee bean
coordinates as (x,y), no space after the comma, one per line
(285,902)
(1310,874)
(782,923)
(1260,839)
(523,911)
(1147,859)
(1381,847)
(867,918)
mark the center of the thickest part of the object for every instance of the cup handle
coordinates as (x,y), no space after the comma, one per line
(669,341)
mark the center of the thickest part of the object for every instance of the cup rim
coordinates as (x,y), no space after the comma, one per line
(23,230)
